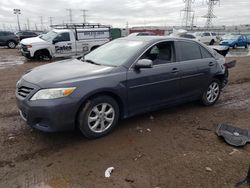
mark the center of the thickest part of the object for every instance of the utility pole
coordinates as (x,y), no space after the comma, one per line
(41,19)
(187,12)
(70,15)
(4,28)
(17,12)
(28,23)
(51,21)
(210,13)
(84,15)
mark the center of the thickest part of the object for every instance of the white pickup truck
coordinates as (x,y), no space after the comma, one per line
(66,41)
(206,37)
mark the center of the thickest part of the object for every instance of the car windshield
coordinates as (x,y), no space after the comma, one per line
(49,36)
(115,53)
(234,37)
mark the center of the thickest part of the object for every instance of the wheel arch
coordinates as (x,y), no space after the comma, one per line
(109,93)
(43,50)
(94,47)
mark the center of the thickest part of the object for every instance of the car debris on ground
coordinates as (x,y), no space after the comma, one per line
(233,135)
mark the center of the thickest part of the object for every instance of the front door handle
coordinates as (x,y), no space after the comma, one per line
(211,64)
(175,70)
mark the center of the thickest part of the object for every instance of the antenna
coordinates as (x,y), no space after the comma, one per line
(187,12)
(210,13)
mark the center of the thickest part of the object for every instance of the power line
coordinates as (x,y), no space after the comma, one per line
(187,12)
(51,20)
(28,23)
(41,19)
(210,13)
(70,15)
(84,15)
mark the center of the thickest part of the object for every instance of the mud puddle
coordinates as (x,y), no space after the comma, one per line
(239,52)
(10,60)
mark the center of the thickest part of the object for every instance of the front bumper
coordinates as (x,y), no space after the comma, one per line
(47,115)
(26,54)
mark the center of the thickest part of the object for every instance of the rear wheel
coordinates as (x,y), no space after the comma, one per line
(234,46)
(98,117)
(212,93)
(11,44)
(211,42)
(246,46)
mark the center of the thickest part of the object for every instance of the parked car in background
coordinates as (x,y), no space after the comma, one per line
(248,38)
(66,41)
(226,36)
(235,41)
(26,34)
(142,34)
(8,39)
(206,37)
(120,79)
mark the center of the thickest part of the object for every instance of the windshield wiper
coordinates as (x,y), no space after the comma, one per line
(90,61)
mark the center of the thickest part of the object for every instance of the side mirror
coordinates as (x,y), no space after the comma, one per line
(54,41)
(144,63)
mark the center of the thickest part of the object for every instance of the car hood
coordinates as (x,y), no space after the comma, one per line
(33,40)
(65,73)
(229,41)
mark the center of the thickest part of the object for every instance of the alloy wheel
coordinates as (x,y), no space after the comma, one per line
(101,117)
(213,92)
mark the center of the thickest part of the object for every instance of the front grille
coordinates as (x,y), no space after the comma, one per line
(24,47)
(24,91)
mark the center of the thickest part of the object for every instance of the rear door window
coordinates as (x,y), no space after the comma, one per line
(206,34)
(205,53)
(189,50)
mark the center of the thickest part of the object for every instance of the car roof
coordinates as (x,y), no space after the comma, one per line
(153,38)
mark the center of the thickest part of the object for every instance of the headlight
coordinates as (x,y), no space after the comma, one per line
(53,93)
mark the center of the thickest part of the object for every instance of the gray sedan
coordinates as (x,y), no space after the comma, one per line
(120,79)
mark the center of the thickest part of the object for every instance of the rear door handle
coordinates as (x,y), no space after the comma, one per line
(211,64)
(175,70)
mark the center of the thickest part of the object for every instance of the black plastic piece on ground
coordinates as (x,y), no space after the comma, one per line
(233,135)
(246,181)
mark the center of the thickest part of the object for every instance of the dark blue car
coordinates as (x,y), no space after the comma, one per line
(120,79)
(235,41)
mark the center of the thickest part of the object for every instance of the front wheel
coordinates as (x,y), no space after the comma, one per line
(246,46)
(212,93)
(98,117)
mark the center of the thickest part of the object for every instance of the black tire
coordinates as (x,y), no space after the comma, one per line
(85,114)
(211,42)
(234,46)
(246,46)
(11,44)
(205,96)
(42,55)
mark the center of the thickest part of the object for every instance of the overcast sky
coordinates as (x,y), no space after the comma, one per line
(118,12)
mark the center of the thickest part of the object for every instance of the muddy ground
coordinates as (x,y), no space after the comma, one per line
(167,148)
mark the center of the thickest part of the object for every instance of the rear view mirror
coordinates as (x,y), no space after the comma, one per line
(144,63)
